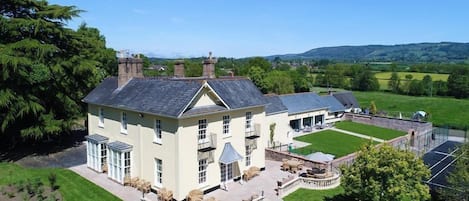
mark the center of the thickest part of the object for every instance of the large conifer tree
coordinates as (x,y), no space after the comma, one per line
(46,68)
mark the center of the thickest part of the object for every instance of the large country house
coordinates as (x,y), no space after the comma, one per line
(186,133)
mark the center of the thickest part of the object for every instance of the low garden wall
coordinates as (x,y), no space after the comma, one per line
(279,155)
(309,183)
(391,123)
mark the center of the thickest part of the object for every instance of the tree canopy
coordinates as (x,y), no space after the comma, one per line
(385,173)
(458,82)
(46,68)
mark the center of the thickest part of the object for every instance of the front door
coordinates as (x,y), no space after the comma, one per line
(226,172)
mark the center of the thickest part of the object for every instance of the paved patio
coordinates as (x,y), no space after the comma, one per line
(100,179)
(266,181)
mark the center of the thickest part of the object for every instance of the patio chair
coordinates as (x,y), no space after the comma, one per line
(134,182)
(104,168)
(285,166)
(127,181)
(165,195)
(195,195)
(294,170)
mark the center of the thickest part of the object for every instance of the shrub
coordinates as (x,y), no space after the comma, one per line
(53,181)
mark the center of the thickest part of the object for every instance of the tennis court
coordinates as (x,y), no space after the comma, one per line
(441,162)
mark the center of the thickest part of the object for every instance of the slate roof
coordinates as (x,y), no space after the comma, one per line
(97,139)
(274,105)
(237,93)
(119,146)
(334,104)
(169,97)
(303,102)
(347,99)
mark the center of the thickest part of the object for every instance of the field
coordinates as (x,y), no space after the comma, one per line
(418,76)
(71,185)
(383,77)
(313,195)
(369,130)
(331,142)
(443,111)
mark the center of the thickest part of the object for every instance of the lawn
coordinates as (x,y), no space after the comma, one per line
(71,185)
(331,142)
(418,76)
(313,195)
(443,110)
(383,77)
(369,130)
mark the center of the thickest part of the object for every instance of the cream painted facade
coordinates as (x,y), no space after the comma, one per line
(178,149)
(283,132)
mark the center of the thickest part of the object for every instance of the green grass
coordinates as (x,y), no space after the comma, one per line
(369,130)
(442,110)
(71,185)
(331,142)
(418,76)
(383,77)
(313,195)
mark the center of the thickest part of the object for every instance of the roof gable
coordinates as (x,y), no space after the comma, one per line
(347,99)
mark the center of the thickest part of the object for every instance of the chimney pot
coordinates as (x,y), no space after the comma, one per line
(209,67)
(179,68)
(128,69)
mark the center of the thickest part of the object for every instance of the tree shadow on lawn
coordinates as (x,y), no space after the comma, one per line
(52,152)
(340,197)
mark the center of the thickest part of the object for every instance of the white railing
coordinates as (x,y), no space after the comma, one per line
(210,142)
(309,183)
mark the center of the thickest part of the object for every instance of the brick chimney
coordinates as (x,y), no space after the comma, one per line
(179,68)
(129,67)
(209,67)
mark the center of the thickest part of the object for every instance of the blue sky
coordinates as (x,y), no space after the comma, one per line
(244,28)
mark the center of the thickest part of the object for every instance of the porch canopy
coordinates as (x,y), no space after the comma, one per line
(229,154)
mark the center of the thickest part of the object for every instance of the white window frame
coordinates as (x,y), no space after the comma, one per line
(95,155)
(248,156)
(226,125)
(202,135)
(127,163)
(248,120)
(158,172)
(119,165)
(101,117)
(203,171)
(158,132)
(124,120)
(226,172)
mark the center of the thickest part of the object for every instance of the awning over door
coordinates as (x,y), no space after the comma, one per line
(229,154)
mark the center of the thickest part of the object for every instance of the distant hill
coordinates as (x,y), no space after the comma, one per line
(418,52)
